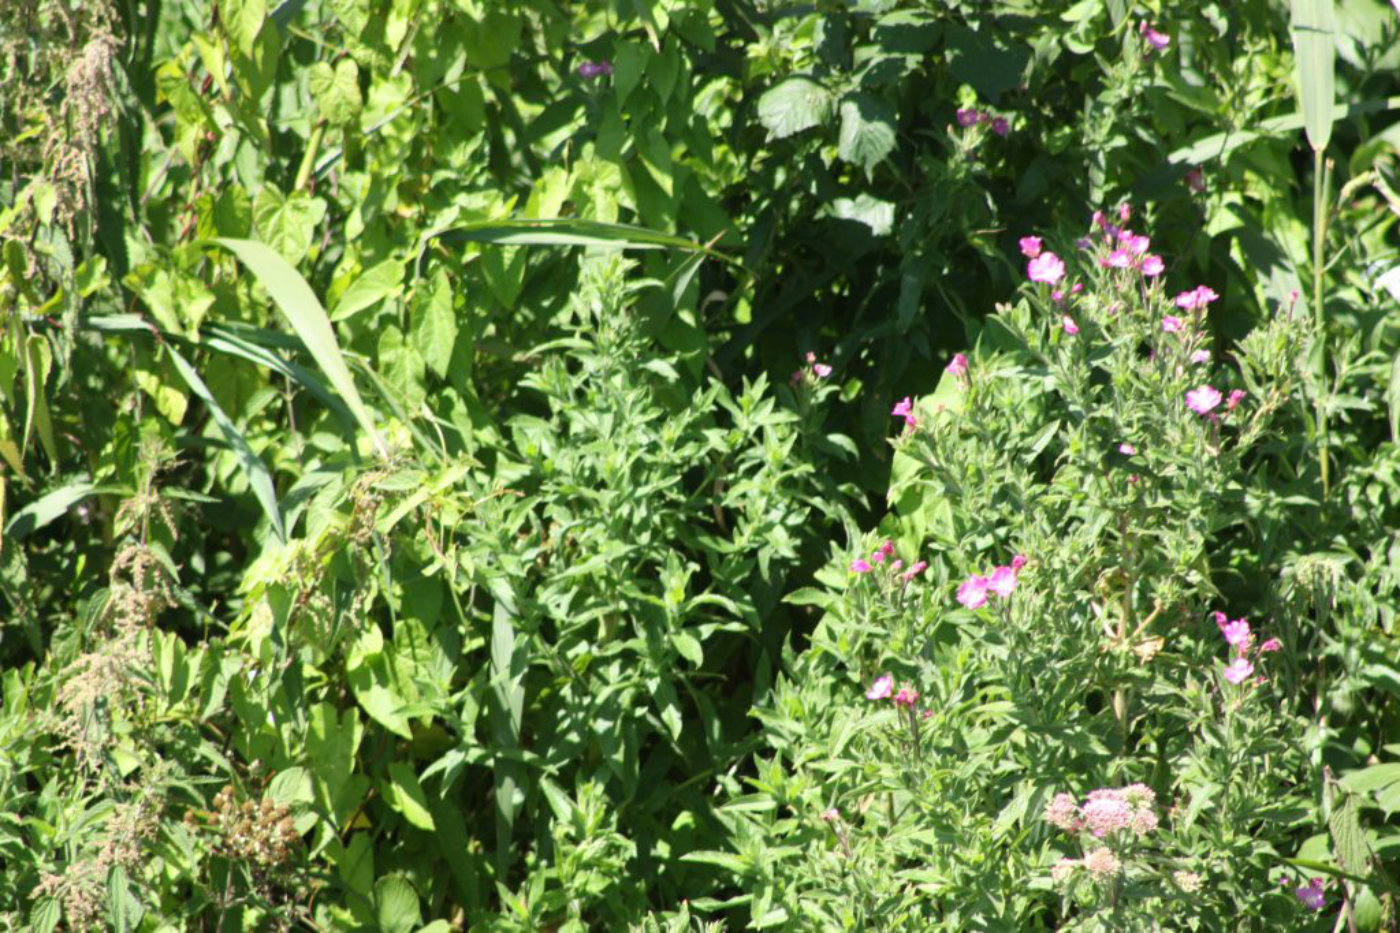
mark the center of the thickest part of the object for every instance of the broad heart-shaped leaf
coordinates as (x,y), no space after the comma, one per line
(287,223)
(337,90)
(1315,47)
(794,105)
(259,479)
(242,20)
(434,324)
(298,303)
(867,131)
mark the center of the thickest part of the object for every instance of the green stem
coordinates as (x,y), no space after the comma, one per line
(308,158)
(1321,171)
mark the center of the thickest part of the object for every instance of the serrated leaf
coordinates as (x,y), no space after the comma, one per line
(794,105)
(1348,841)
(123,909)
(1314,47)
(867,131)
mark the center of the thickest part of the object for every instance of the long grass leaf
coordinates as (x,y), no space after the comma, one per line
(303,310)
(49,507)
(1315,48)
(571,232)
(258,477)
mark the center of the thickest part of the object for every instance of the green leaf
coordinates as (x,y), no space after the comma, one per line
(1348,840)
(876,214)
(373,285)
(396,905)
(259,479)
(287,223)
(688,647)
(123,909)
(336,90)
(242,20)
(1315,46)
(49,507)
(45,914)
(298,303)
(1392,399)
(568,232)
(795,105)
(405,794)
(867,131)
(434,325)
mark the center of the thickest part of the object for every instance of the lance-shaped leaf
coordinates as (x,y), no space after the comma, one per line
(1314,46)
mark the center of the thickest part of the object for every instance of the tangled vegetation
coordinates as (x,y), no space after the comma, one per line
(699,464)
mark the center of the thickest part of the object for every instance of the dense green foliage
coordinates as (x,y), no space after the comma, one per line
(449,481)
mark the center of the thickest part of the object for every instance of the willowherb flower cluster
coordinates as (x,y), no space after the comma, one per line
(1001,582)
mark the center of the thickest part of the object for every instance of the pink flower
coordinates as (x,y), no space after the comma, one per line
(973,591)
(821,370)
(1220,618)
(860,565)
(831,814)
(878,557)
(897,565)
(1047,268)
(1018,562)
(1311,895)
(881,688)
(1236,633)
(1000,126)
(590,70)
(914,571)
(968,116)
(1202,399)
(906,696)
(1272,644)
(1127,449)
(1153,38)
(1238,670)
(1002,582)
(1102,861)
(1030,246)
(1152,265)
(1125,212)
(957,366)
(1196,180)
(1071,328)
(1119,259)
(1062,812)
(904,408)
(1201,356)
(1106,811)
(1057,296)
(1197,298)
(1171,323)
(886,549)
(1134,243)
(1235,398)
(1100,221)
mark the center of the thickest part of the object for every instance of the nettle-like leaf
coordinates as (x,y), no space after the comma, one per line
(795,105)
(867,131)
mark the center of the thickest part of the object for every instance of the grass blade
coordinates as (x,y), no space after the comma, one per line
(1314,47)
(49,507)
(302,309)
(258,477)
(570,232)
